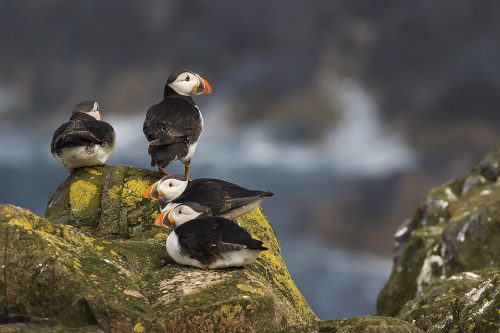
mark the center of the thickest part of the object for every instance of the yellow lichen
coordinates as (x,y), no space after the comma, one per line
(244,287)
(114,192)
(138,328)
(93,171)
(22,222)
(249,288)
(161,235)
(48,228)
(133,191)
(225,309)
(81,194)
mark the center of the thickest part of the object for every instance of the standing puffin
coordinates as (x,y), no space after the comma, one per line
(85,140)
(211,242)
(220,198)
(173,126)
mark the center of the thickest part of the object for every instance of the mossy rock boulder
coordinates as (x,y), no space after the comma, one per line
(455,230)
(96,263)
(465,302)
(106,201)
(368,324)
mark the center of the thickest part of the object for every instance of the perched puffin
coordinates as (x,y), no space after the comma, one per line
(220,198)
(211,242)
(173,126)
(85,140)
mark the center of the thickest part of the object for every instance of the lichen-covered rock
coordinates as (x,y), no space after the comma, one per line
(367,324)
(98,263)
(106,201)
(465,302)
(455,230)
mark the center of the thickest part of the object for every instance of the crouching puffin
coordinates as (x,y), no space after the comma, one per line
(218,197)
(211,242)
(85,140)
(173,126)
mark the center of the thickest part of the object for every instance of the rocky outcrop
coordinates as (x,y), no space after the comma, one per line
(447,265)
(97,261)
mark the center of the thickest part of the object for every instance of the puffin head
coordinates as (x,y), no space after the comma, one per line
(89,107)
(180,214)
(167,189)
(184,82)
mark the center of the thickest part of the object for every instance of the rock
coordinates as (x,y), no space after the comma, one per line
(465,302)
(367,324)
(447,253)
(106,201)
(97,263)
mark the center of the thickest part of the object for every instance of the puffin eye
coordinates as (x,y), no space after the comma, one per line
(170,185)
(187,78)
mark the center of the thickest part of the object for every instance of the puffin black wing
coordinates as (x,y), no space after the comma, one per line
(206,193)
(219,195)
(170,127)
(202,238)
(81,130)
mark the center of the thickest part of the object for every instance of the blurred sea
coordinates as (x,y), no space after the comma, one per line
(336,282)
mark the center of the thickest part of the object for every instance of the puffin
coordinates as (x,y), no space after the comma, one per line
(173,126)
(85,140)
(218,197)
(211,242)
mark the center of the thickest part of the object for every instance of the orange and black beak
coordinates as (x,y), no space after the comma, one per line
(152,192)
(159,220)
(203,88)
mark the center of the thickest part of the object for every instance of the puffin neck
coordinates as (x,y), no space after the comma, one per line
(170,93)
(82,116)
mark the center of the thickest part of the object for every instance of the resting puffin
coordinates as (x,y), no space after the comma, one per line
(173,126)
(85,140)
(221,198)
(211,242)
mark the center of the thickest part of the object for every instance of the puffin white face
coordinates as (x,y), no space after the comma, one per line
(89,107)
(94,112)
(181,214)
(188,83)
(171,188)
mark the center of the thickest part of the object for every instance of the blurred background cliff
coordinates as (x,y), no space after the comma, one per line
(347,110)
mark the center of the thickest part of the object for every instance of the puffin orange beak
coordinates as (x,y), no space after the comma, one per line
(203,88)
(149,191)
(159,219)
(171,220)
